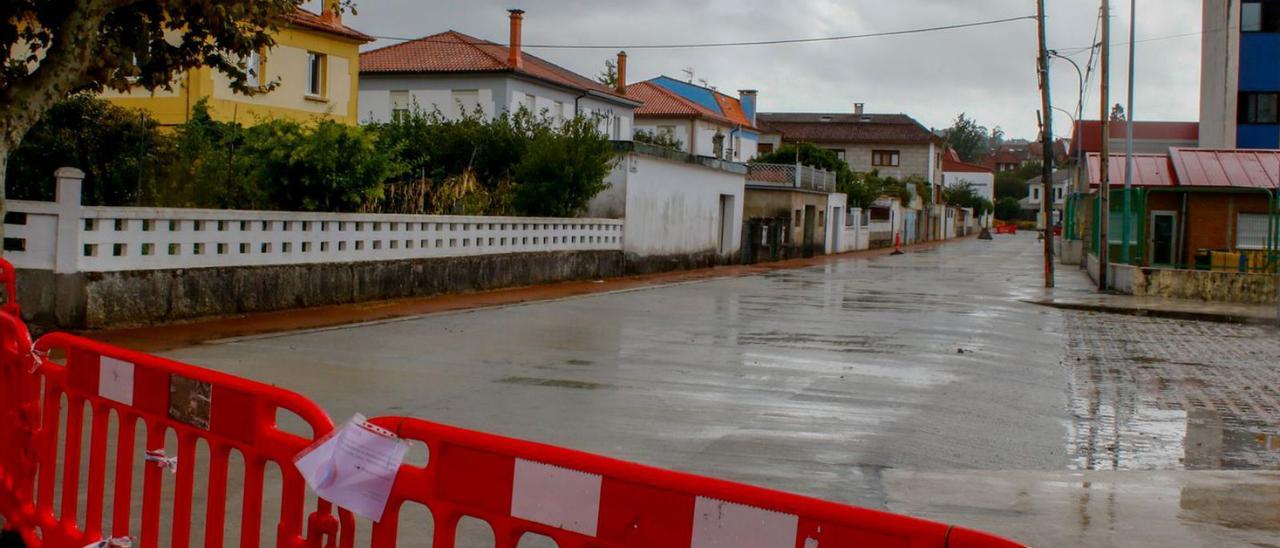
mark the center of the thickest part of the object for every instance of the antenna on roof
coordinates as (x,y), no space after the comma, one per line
(688,73)
(702,81)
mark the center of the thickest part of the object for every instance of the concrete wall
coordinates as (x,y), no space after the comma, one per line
(676,214)
(102,299)
(1220,73)
(1205,285)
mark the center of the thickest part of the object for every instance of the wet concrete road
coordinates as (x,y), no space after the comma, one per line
(920,383)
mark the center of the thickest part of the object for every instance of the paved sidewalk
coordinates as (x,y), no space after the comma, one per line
(1075,291)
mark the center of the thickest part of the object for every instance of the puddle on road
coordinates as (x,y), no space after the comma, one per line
(555,383)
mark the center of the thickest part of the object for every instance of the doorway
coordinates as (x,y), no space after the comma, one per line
(726,224)
(810,227)
(1164,238)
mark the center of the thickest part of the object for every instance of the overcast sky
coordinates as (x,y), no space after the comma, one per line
(987,72)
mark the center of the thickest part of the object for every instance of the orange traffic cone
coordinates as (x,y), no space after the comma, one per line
(897,244)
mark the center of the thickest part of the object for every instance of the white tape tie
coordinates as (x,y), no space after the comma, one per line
(113,542)
(37,359)
(157,456)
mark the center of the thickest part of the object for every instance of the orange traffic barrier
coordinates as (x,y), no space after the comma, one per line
(224,412)
(580,500)
(518,487)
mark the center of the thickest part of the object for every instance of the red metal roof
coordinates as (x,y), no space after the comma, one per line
(1149,170)
(454,52)
(1088,133)
(306,19)
(1197,167)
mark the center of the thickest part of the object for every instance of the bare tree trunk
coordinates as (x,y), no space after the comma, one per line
(4,171)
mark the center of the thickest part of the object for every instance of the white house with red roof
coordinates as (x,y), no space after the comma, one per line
(956,172)
(455,73)
(704,121)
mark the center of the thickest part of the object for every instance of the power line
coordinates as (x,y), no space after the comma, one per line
(738,44)
(1081,49)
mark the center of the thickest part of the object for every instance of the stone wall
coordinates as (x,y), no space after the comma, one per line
(102,299)
(1206,285)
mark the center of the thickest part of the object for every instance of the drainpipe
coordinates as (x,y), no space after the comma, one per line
(1182,232)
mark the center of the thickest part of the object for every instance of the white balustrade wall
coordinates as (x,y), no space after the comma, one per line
(64,236)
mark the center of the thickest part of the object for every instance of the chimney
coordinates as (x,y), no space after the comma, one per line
(622,73)
(514,58)
(747,98)
(330,12)
(857,109)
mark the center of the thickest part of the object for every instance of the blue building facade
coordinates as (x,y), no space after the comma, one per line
(1258,110)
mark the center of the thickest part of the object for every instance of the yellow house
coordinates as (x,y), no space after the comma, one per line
(315,65)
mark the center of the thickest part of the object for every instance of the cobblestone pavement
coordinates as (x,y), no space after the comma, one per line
(1151,393)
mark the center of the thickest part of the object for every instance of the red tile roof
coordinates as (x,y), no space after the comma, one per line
(1088,134)
(659,102)
(1149,170)
(847,128)
(1226,168)
(954,165)
(305,19)
(454,52)
(732,109)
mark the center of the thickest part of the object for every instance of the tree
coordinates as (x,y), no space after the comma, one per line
(965,195)
(1007,209)
(609,76)
(1117,113)
(1014,183)
(970,140)
(54,48)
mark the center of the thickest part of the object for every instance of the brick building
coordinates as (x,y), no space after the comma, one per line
(1192,201)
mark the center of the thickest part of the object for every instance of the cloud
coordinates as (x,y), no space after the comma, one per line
(986,72)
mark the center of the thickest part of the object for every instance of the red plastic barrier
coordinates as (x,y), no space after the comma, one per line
(578,499)
(1007,229)
(228,413)
(584,500)
(19,410)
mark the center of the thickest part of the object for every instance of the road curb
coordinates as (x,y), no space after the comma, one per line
(1156,313)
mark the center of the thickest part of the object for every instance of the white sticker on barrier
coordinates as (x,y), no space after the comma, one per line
(354,466)
(721,524)
(115,380)
(556,496)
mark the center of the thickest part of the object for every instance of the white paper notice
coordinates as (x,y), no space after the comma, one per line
(354,466)
(115,380)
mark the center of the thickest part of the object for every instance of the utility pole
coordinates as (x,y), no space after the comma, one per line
(1046,137)
(1128,140)
(1104,180)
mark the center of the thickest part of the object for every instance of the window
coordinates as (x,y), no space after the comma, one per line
(253,70)
(1251,231)
(617,127)
(764,148)
(1259,108)
(527,102)
(400,103)
(1035,193)
(884,158)
(465,101)
(1259,17)
(839,152)
(1116,228)
(737,147)
(558,111)
(315,74)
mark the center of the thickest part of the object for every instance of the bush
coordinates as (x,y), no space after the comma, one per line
(120,150)
(561,172)
(658,139)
